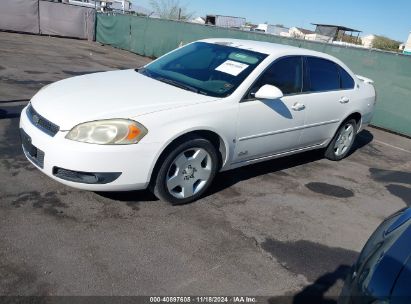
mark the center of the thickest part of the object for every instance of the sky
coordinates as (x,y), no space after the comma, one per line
(380,17)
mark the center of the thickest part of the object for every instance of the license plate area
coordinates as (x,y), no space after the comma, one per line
(31,151)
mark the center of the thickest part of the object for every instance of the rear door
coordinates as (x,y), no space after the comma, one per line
(328,98)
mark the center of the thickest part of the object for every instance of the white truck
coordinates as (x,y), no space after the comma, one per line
(271,29)
(225,21)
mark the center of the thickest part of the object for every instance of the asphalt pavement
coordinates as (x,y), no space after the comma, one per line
(292,226)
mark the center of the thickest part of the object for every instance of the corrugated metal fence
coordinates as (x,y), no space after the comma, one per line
(154,37)
(47,18)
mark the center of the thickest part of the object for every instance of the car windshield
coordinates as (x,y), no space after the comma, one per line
(205,68)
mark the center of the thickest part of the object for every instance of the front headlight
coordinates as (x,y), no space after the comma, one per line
(108,132)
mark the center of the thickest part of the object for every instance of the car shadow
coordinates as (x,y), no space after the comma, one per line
(130,196)
(227,179)
(278,106)
(363,138)
(315,292)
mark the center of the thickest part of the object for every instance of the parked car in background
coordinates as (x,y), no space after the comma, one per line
(382,273)
(209,106)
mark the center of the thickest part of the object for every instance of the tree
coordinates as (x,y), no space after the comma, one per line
(351,39)
(171,9)
(385,43)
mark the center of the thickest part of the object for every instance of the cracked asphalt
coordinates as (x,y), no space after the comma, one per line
(291,226)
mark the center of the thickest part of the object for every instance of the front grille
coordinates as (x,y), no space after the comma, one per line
(85,177)
(40,122)
(31,151)
(39,159)
(75,176)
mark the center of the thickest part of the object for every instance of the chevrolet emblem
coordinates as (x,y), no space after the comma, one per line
(36,119)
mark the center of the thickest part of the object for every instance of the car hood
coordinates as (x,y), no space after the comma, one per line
(115,94)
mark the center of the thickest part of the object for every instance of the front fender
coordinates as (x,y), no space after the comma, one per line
(167,126)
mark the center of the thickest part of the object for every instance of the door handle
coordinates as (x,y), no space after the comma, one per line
(344,100)
(298,106)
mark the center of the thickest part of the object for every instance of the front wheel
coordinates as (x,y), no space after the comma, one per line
(343,141)
(187,172)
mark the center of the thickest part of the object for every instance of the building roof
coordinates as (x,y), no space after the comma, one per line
(340,27)
(305,31)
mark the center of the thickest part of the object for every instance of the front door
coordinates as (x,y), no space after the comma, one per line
(267,127)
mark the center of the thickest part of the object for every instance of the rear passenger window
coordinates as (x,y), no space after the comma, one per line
(346,80)
(323,75)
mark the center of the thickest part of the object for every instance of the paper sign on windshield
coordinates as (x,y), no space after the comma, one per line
(232,67)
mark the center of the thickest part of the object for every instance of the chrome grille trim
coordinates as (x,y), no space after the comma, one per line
(42,123)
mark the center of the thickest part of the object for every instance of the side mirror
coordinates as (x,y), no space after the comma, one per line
(269,92)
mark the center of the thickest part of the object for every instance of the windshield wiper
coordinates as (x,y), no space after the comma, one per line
(178,84)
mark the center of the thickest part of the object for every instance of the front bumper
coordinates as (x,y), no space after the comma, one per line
(133,164)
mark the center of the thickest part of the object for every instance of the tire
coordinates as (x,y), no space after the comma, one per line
(341,144)
(187,171)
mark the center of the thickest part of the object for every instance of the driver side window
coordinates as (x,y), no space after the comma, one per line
(286,74)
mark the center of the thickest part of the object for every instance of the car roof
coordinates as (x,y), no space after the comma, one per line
(269,48)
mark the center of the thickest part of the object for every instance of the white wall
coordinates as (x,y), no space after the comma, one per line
(318,37)
(408,44)
(367,41)
(296,33)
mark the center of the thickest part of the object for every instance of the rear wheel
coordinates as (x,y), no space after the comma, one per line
(187,172)
(343,141)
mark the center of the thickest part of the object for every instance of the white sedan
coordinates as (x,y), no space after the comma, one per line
(210,106)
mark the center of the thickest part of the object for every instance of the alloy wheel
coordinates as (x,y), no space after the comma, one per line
(344,139)
(189,173)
